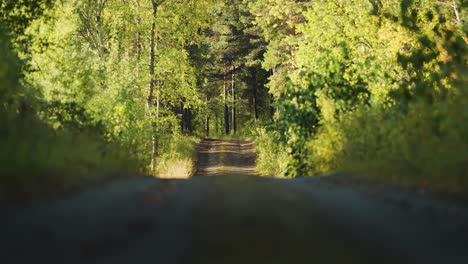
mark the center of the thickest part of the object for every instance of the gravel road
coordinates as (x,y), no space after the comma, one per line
(227,214)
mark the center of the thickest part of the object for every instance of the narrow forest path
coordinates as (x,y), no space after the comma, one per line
(220,157)
(226,214)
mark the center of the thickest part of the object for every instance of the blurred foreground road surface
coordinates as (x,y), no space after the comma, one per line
(227,214)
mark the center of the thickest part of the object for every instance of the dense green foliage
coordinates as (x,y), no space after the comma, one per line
(271,157)
(74,89)
(376,87)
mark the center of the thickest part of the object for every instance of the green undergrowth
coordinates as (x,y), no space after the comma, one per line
(177,157)
(242,135)
(390,105)
(426,147)
(36,160)
(272,159)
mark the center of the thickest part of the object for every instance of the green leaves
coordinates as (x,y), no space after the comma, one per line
(331,60)
(17,15)
(329,66)
(9,78)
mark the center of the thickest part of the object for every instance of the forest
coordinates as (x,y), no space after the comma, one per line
(95,89)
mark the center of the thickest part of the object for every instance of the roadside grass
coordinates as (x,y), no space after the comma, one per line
(427,147)
(272,159)
(424,148)
(36,160)
(246,132)
(177,158)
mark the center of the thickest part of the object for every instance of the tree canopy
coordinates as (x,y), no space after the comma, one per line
(377,87)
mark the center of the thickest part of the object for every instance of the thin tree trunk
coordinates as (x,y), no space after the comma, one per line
(182,119)
(138,35)
(151,85)
(186,120)
(255,96)
(154,153)
(216,123)
(158,101)
(138,42)
(272,109)
(189,121)
(226,108)
(207,118)
(272,101)
(457,15)
(233,93)
(149,98)
(207,126)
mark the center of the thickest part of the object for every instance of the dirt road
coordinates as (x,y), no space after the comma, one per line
(222,157)
(226,214)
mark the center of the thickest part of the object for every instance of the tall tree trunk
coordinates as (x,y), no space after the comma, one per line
(207,126)
(149,99)
(138,35)
(455,9)
(158,101)
(216,122)
(226,108)
(272,100)
(272,108)
(154,153)
(207,119)
(186,120)
(182,119)
(255,87)
(189,121)
(233,93)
